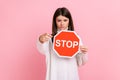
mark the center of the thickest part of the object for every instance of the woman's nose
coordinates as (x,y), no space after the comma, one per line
(62,23)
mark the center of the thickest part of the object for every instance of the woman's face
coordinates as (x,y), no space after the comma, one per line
(62,22)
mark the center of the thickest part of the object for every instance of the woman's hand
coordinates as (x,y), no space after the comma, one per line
(45,37)
(83,49)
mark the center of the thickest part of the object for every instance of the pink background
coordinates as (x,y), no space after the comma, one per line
(21,21)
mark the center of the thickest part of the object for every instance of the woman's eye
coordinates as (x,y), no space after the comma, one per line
(58,20)
(65,20)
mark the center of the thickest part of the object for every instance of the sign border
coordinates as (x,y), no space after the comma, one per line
(78,45)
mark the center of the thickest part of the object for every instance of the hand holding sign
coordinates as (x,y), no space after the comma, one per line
(83,49)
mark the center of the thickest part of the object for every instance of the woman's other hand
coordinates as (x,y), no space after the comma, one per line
(45,37)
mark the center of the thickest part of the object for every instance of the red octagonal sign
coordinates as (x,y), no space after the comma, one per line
(66,44)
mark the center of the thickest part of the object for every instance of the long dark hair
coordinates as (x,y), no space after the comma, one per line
(64,12)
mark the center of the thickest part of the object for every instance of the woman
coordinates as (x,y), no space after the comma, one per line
(61,68)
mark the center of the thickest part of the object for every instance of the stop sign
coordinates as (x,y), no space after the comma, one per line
(66,44)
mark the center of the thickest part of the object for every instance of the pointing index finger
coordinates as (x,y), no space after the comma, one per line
(49,35)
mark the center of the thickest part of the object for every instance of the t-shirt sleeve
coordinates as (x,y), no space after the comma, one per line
(43,48)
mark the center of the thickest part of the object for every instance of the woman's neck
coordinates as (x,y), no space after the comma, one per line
(58,30)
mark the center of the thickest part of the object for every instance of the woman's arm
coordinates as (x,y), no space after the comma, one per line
(82,56)
(43,43)
(43,48)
